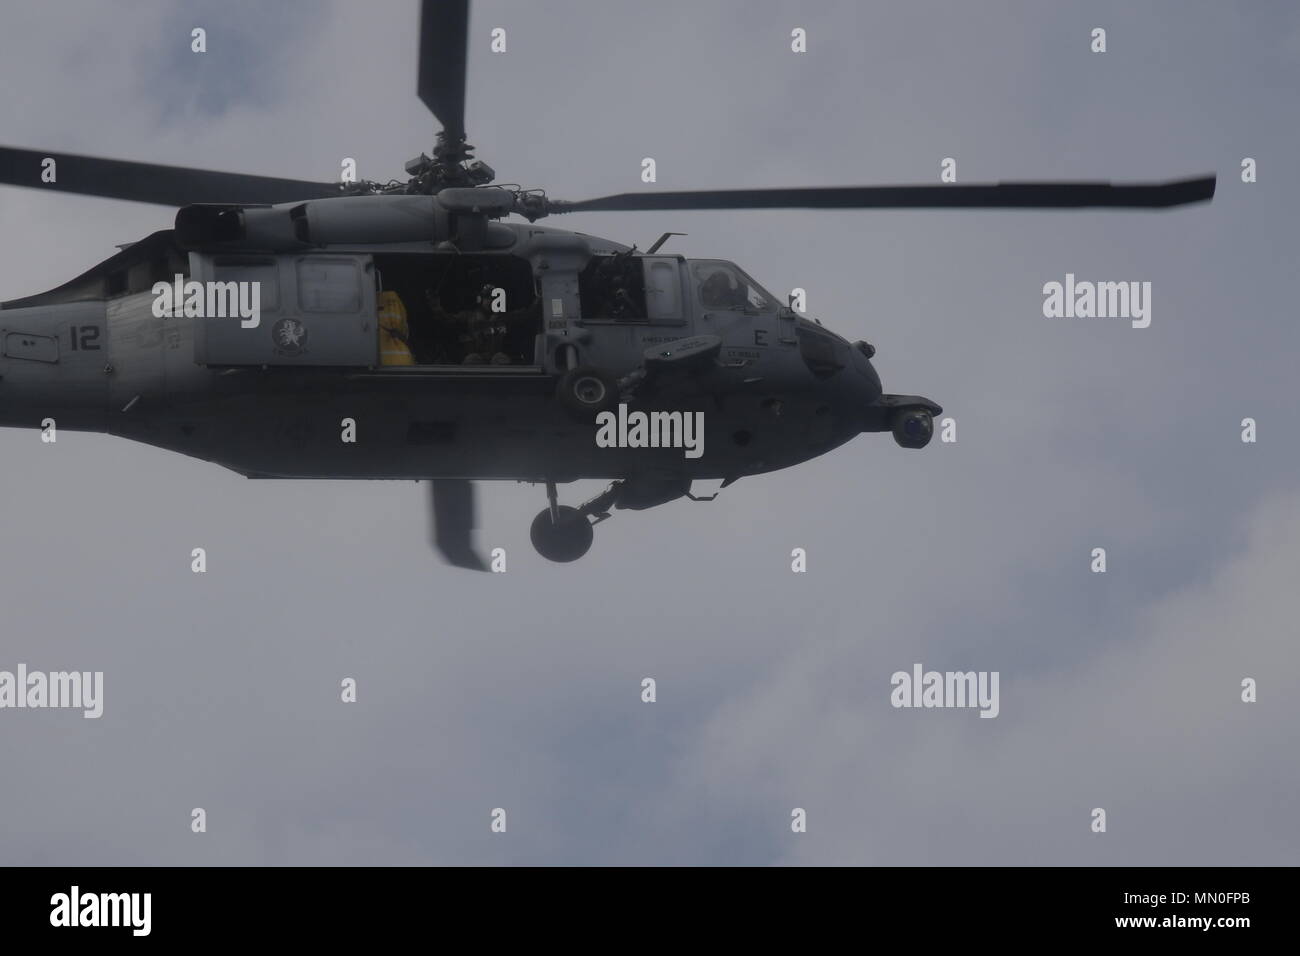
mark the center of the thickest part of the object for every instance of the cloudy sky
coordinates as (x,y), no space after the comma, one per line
(523,690)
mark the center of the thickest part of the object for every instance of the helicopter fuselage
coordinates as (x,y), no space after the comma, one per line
(100,354)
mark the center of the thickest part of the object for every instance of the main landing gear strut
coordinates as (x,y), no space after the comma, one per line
(561,533)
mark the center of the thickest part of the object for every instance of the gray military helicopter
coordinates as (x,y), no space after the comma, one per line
(457,345)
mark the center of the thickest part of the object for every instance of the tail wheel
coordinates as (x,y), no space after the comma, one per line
(587,391)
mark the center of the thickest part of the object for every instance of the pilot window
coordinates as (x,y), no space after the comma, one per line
(721,285)
(457,309)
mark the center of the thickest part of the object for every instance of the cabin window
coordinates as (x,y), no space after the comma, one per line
(663,289)
(329,285)
(613,287)
(625,287)
(264,271)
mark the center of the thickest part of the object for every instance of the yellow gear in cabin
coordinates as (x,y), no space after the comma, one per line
(393,331)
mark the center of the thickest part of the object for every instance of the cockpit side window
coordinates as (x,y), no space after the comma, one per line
(722,285)
(823,353)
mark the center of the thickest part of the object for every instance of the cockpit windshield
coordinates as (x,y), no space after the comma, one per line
(723,285)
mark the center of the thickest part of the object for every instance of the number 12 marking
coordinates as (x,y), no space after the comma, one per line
(84,337)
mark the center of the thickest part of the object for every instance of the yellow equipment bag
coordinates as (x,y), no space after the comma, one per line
(393,331)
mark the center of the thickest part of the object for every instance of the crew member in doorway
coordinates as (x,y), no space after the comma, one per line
(486,333)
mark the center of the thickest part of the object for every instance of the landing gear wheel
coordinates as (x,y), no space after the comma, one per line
(586,391)
(566,539)
(913,427)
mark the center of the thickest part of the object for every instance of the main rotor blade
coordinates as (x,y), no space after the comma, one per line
(452,510)
(1035,195)
(146,182)
(444,33)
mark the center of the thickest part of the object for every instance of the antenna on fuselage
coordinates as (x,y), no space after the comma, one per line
(660,241)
